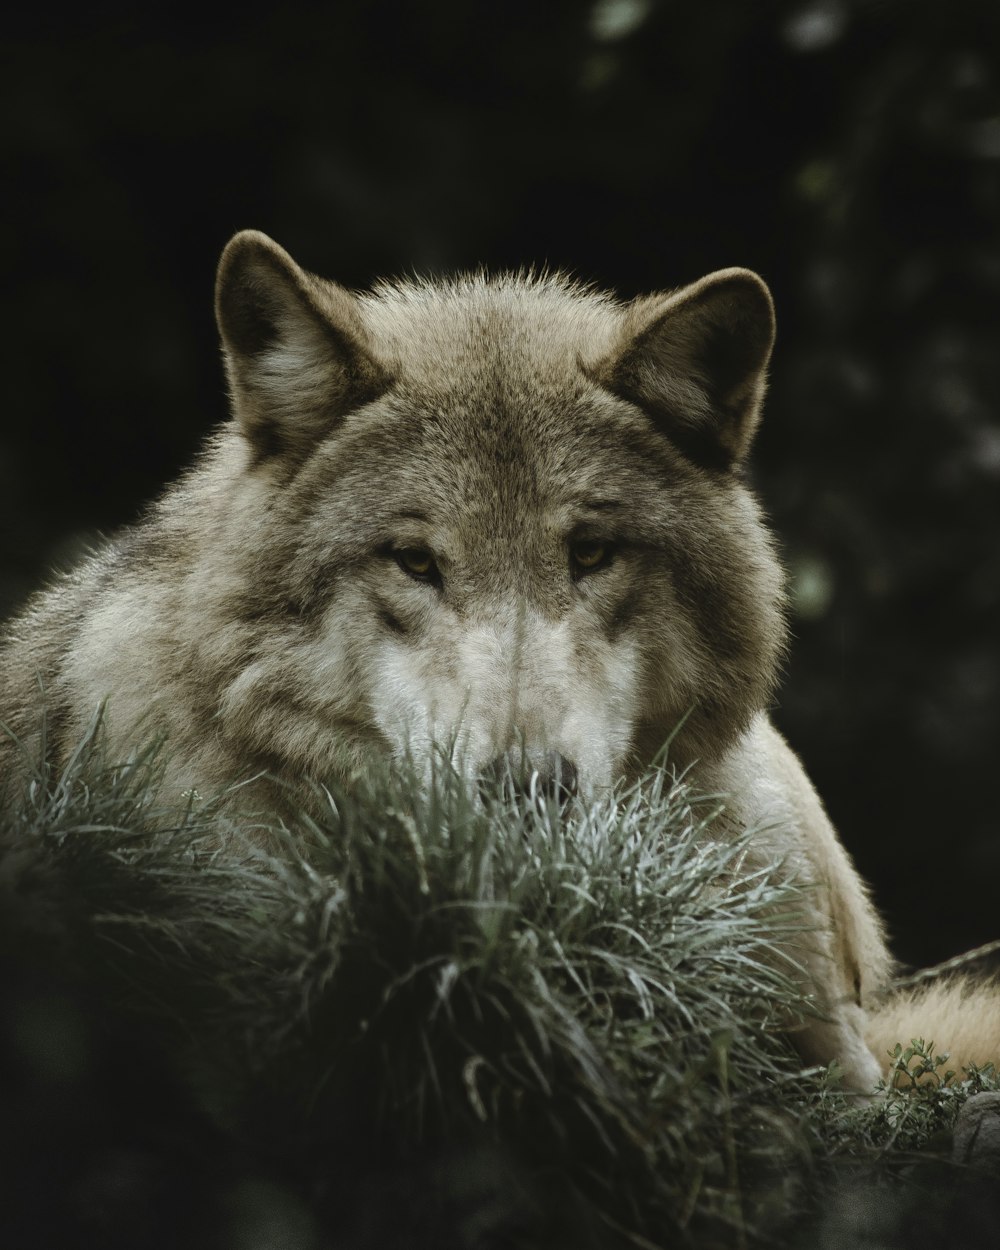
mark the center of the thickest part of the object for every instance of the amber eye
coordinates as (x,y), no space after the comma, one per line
(587,555)
(417,562)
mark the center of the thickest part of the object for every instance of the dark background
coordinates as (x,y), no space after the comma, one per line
(847,149)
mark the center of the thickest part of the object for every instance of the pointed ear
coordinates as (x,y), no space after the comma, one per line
(695,361)
(297,354)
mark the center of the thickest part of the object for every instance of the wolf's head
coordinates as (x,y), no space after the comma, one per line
(502,513)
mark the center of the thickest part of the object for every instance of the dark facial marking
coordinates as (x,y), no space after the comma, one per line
(411,515)
(623,615)
(601,505)
(390,620)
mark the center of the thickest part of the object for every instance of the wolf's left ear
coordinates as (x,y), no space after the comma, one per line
(696,361)
(297,353)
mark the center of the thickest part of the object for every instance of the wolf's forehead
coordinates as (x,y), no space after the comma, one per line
(502,474)
(492,415)
(490,373)
(477,327)
(502,442)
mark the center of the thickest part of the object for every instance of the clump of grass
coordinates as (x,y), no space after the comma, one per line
(595,997)
(598,990)
(602,988)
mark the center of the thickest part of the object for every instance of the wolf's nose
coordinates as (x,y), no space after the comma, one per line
(552,776)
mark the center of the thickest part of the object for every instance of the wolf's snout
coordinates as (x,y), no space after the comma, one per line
(517,775)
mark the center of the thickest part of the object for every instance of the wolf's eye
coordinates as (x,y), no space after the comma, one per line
(417,562)
(587,555)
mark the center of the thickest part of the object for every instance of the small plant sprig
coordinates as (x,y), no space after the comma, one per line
(917,1068)
(913,1111)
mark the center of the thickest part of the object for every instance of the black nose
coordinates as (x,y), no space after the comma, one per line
(518,775)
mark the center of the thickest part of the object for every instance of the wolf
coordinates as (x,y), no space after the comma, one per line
(509,513)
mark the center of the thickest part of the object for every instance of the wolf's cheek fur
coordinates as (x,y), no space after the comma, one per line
(303,704)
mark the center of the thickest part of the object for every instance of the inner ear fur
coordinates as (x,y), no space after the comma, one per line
(297,354)
(695,360)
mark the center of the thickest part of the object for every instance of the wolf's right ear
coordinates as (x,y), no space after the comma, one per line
(297,353)
(696,361)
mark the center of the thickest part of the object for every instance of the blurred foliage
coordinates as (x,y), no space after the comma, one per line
(848,149)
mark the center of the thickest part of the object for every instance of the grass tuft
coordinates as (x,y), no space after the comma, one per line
(567,1022)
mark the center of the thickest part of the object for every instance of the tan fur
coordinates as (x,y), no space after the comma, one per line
(960,1015)
(265,618)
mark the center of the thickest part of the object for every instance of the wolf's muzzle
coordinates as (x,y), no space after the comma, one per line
(518,775)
